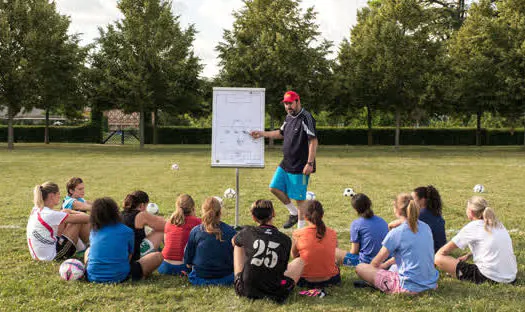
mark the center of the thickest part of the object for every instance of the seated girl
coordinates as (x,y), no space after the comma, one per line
(75,196)
(112,243)
(490,245)
(410,245)
(176,235)
(428,200)
(209,251)
(52,234)
(135,216)
(366,233)
(315,244)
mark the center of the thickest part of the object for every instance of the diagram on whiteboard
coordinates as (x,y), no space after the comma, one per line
(236,112)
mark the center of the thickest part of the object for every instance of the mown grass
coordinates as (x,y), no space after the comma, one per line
(379,172)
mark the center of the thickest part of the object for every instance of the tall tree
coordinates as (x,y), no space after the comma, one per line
(59,61)
(23,23)
(476,53)
(150,62)
(274,45)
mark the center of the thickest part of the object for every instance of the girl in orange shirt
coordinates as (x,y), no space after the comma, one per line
(316,245)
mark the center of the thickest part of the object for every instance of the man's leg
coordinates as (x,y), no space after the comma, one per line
(278,187)
(302,212)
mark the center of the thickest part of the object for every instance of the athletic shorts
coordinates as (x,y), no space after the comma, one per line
(173,269)
(351,260)
(292,184)
(388,282)
(199,281)
(332,281)
(65,248)
(285,289)
(470,272)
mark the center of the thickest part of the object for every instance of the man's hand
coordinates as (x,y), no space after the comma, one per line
(257,134)
(308,168)
(464,257)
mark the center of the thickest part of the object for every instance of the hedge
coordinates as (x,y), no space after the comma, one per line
(30,134)
(327,135)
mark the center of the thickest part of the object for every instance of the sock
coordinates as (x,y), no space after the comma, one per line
(80,245)
(292,209)
(301,223)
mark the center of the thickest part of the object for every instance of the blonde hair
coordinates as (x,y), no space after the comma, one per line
(211,217)
(406,206)
(41,192)
(481,210)
(183,207)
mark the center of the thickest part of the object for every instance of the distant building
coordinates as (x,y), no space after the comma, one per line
(34,116)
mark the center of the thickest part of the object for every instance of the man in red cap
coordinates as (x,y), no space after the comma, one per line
(290,180)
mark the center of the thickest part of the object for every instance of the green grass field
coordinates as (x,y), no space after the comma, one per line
(380,172)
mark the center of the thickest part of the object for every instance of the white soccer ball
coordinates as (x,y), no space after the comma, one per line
(174,167)
(310,195)
(479,188)
(152,208)
(348,192)
(229,193)
(71,270)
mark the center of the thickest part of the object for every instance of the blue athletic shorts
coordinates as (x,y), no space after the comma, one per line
(351,260)
(173,269)
(199,281)
(292,184)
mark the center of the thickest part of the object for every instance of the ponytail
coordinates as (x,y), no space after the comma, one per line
(406,207)
(134,200)
(211,217)
(412,215)
(481,210)
(183,207)
(41,192)
(314,214)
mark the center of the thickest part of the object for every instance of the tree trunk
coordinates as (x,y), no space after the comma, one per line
(141,127)
(478,128)
(369,124)
(524,131)
(10,130)
(154,117)
(46,128)
(398,127)
(270,141)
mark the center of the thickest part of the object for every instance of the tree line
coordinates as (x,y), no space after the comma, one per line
(409,59)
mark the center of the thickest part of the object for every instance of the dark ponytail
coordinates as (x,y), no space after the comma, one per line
(314,214)
(134,200)
(432,197)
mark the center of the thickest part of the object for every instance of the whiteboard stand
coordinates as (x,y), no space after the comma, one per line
(237,198)
(236,112)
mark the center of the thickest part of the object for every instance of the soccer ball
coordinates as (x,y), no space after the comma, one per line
(310,195)
(479,188)
(348,192)
(174,167)
(230,193)
(71,270)
(152,208)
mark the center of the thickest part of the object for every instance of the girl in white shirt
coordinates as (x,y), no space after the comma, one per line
(52,234)
(490,245)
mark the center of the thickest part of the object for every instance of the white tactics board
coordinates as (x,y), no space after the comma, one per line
(236,112)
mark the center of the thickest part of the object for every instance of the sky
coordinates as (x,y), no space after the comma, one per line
(211,17)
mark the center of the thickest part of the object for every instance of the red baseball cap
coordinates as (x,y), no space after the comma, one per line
(290,96)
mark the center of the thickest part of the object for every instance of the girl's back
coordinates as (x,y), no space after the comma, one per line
(414,254)
(369,233)
(176,237)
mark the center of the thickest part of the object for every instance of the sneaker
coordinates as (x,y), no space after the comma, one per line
(292,220)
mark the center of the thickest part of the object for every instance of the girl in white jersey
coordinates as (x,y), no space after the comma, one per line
(490,245)
(52,234)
